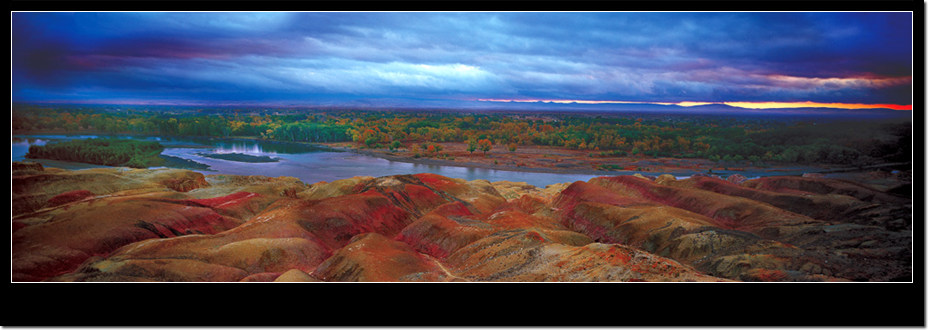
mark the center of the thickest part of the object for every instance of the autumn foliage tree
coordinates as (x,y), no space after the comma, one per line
(485,145)
(703,137)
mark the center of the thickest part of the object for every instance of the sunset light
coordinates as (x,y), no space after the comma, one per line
(746,105)
(611,60)
(774,105)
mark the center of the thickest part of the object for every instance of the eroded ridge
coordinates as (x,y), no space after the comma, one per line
(175,225)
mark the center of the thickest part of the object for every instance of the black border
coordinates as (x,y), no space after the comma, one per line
(464,304)
(488,304)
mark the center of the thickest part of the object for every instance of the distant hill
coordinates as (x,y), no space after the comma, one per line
(700,109)
(452,105)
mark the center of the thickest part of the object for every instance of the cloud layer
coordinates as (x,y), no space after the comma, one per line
(331,57)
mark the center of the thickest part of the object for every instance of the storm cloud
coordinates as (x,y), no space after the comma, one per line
(300,57)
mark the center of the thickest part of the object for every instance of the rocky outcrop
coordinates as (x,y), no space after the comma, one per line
(515,190)
(822,186)
(372,257)
(444,230)
(175,225)
(530,256)
(32,189)
(735,234)
(727,212)
(68,197)
(323,190)
(58,240)
(828,206)
(295,275)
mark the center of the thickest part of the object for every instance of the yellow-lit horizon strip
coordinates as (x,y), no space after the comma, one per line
(808,104)
(746,105)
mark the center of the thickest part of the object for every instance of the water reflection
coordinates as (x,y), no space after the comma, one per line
(30,141)
(240,148)
(310,163)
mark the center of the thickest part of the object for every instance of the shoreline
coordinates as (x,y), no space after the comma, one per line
(653,166)
(773,169)
(444,162)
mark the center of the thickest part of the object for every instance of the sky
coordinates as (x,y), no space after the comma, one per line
(747,59)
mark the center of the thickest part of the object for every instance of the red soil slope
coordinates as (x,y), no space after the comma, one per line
(156,225)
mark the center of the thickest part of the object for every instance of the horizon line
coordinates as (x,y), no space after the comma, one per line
(754,105)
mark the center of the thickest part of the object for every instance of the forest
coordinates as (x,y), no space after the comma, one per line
(110,152)
(756,140)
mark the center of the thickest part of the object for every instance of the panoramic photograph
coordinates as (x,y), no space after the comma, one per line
(462,147)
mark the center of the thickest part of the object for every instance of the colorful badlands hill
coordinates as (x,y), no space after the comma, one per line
(120,224)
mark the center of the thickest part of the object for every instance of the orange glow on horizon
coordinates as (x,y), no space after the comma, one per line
(746,105)
(809,104)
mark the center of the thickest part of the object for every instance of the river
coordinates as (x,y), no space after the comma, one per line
(311,163)
(306,162)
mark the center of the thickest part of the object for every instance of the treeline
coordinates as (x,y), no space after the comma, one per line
(843,142)
(280,128)
(110,152)
(722,139)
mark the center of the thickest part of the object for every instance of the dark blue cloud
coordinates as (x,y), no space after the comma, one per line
(660,57)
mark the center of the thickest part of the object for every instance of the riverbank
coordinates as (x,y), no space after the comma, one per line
(536,159)
(883,177)
(533,159)
(565,161)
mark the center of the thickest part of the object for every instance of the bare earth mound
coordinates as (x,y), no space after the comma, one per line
(116,224)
